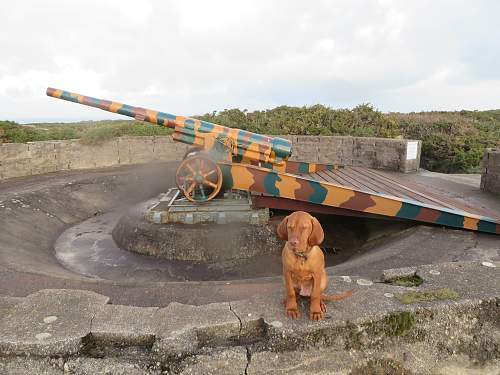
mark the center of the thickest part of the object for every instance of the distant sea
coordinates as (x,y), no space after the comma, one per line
(37,120)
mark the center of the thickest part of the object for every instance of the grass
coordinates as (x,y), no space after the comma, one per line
(427,296)
(91,132)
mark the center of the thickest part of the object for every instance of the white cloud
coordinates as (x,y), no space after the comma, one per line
(189,57)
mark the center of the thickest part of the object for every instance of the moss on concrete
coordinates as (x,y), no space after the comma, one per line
(427,296)
(407,281)
(381,367)
(399,324)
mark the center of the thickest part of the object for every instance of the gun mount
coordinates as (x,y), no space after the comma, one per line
(235,159)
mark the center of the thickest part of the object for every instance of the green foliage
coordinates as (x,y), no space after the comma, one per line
(100,134)
(12,132)
(89,132)
(452,142)
(362,121)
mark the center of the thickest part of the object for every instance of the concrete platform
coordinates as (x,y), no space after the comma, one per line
(35,211)
(254,337)
(55,320)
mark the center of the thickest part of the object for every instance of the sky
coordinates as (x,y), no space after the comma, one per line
(191,57)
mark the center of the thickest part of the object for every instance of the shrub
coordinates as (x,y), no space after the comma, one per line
(452,142)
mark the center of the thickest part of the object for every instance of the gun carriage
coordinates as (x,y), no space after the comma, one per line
(223,158)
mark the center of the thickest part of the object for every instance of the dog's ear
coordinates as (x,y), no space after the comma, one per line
(317,235)
(282,230)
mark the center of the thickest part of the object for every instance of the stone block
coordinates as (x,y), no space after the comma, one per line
(308,156)
(307,139)
(490,179)
(15,160)
(16,168)
(106,154)
(141,149)
(13,151)
(491,182)
(183,329)
(43,157)
(80,156)
(61,150)
(123,151)
(49,323)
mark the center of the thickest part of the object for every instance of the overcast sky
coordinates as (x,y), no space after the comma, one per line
(191,57)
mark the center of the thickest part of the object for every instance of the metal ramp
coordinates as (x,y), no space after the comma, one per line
(355,191)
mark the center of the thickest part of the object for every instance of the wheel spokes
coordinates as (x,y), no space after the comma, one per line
(190,188)
(210,183)
(190,168)
(205,175)
(186,178)
(199,178)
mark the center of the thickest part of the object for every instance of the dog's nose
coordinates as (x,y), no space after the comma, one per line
(294,241)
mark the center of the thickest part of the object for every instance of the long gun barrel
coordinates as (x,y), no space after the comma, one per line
(245,146)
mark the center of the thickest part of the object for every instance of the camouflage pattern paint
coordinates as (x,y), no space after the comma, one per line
(298,167)
(286,185)
(244,145)
(258,163)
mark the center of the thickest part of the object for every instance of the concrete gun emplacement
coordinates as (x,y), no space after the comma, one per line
(224,159)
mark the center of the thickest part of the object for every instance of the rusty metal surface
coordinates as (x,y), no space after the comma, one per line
(381,182)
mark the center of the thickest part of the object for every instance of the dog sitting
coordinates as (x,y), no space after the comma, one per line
(304,264)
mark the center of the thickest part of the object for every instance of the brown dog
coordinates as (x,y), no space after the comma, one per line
(304,264)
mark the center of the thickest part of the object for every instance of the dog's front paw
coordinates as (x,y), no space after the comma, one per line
(323,306)
(316,314)
(293,312)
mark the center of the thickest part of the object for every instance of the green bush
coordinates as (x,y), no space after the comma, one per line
(100,134)
(363,120)
(452,142)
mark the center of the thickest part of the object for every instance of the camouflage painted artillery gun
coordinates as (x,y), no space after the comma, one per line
(223,158)
(214,148)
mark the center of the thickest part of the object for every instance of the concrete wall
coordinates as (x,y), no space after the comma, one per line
(391,154)
(24,159)
(490,180)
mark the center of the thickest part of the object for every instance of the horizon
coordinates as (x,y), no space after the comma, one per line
(187,56)
(118,117)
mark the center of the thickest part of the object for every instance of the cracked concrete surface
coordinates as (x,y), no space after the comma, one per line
(253,336)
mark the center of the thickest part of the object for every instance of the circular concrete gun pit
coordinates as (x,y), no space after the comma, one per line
(79,211)
(122,246)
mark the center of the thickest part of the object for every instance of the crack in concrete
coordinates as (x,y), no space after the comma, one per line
(249,359)
(91,323)
(249,353)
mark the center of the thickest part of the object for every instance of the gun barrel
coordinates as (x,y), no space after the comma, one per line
(191,131)
(139,113)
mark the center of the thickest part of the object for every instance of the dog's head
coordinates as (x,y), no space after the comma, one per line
(301,230)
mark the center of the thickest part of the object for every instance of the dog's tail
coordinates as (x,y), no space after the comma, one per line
(337,297)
